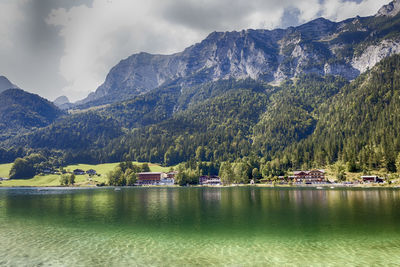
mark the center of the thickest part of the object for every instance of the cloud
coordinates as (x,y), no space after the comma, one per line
(68,47)
(30,49)
(340,10)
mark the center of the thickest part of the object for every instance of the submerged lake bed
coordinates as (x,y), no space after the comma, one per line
(245,226)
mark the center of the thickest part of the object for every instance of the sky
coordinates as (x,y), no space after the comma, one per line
(67,47)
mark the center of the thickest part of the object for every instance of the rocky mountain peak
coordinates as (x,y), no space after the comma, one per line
(321,46)
(389,10)
(6,84)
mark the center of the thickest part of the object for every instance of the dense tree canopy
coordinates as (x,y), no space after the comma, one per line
(312,121)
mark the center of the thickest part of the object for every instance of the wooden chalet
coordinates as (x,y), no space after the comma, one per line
(79,172)
(371,179)
(312,176)
(91,172)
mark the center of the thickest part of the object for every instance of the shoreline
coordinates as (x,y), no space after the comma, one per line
(312,186)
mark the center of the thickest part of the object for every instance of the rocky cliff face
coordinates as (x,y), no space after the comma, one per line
(345,48)
(390,10)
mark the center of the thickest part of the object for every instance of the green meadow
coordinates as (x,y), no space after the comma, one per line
(5,169)
(80,180)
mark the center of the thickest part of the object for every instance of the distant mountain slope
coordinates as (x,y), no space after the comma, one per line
(360,125)
(20,110)
(62,102)
(311,122)
(345,48)
(5,84)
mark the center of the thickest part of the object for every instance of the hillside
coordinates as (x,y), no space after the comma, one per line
(21,111)
(312,120)
(347,48)
(360,125)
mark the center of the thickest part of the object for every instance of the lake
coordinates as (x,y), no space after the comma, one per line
(237,226)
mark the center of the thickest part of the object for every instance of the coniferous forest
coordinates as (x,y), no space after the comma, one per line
(309,122)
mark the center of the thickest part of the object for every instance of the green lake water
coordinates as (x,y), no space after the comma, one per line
(241,226)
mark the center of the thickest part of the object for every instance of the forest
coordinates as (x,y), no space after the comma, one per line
(240,126)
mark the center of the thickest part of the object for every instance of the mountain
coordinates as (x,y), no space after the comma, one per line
(21,111)
(347,48)
(5,84)
(62,102)
(307,122)
(359,125)
(390,10)
(338,103)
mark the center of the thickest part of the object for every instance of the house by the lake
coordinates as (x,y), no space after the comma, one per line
(79,172)
(150,178)
(371,179)
(209,180)
(156,178)
(312,176)
(91,172)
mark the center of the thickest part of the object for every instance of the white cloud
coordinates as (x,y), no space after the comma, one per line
(340,10)
(98,36)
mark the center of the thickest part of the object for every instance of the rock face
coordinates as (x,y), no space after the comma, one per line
(390,10)
(375,53)
(321,46)
(5,84)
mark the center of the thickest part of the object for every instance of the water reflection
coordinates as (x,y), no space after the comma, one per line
(210,209)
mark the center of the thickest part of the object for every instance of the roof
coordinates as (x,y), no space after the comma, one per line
(298,172)
(307,172)
(150,173)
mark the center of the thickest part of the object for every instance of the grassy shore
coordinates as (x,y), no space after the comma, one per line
(5,169)
(80,180)
(103,169)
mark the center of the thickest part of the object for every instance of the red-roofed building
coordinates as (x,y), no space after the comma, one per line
(150,178)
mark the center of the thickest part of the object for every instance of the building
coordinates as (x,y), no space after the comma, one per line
(150,178)
(209,180)
(371,179)
(172,174)
(47,171)
(167,181)
(79,172)
(313,176)
(91,172)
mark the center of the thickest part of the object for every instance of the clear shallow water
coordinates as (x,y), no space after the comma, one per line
(199,226)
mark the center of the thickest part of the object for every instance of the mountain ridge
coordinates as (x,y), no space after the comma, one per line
(21,111)
(347,48)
